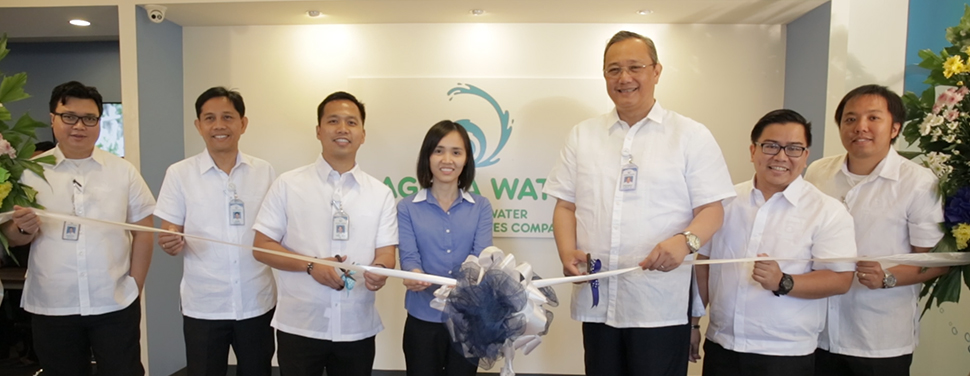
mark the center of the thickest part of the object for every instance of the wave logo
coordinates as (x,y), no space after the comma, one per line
(479,142)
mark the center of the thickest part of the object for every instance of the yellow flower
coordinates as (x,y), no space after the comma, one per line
(960,231)
(959,83)
(966,50)
(5,190)
(953,65)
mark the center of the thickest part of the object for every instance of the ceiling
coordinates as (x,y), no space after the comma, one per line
(50,23)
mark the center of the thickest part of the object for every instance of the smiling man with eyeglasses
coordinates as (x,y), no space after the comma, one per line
(765,319)
(638,186)
(85,281)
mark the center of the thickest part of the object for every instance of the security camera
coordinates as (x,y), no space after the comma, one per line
(156,13)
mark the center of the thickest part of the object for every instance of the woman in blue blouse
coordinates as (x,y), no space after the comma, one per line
(438,228)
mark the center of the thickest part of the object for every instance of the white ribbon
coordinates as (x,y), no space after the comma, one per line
(534,312)
(935,259)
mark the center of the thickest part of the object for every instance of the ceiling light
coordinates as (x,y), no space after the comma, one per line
(79,22)
(644,12)
(314,14)
(477,12)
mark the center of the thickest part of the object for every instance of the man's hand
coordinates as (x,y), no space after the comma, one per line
(572,261)
(695,345)
(171,243)
(870,274)
(25,219)
(667,255)
(374,281)
(767,273)
(328,275)
(415,285)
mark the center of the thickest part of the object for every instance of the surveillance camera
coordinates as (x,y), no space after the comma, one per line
(156,13)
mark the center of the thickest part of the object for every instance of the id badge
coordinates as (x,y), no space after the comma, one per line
(341,226)
(237,212)
(71,231)
(628,177)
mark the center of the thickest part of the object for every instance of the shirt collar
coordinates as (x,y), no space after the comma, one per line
(324,169)
(422,195)
(59,156)
(793,193)
(656,114)
(206,162)
(887,168)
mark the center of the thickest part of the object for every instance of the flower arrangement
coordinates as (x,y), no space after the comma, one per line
(16,146)
(938,122)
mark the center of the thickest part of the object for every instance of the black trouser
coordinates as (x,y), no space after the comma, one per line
(302,356)
(829,364)
(428,351)
(636,351)
(719,361)
(207,345)
(64,343)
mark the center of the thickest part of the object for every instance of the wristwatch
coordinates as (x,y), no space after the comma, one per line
(693,242)
(889,280)
(785,285)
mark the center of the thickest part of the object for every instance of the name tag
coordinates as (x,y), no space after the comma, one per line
(71,231)
(628,177)
(237,212)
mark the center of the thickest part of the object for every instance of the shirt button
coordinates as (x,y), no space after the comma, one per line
(447,230)
(449,251)
(449,273)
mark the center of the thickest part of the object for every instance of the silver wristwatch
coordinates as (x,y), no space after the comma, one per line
(889,280)
(693,242)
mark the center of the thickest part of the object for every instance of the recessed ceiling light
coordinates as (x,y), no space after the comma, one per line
(314,14)
(477,12)
(80,22)
(644,12)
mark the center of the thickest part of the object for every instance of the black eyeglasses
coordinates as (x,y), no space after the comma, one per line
(72,118)
(772,148)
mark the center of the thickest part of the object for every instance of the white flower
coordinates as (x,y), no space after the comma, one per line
(929,123)
(950,138)
(937,162)
(952,125)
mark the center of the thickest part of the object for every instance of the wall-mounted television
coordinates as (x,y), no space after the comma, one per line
(112,137)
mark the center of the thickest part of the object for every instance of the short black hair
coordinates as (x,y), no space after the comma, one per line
(217,92)
(431,140)
(341,96)
(781,117)
(74,89)
(894,104)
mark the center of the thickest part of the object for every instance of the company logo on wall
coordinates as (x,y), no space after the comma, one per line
(479,141)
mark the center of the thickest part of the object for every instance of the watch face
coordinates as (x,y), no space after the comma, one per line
(787,283)
(889,281)
(693,242)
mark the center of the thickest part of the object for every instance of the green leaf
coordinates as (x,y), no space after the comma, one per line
(27,126)
(3,46)
(33,166)
(50,159)
(910,154)
(4,114)
(30,192)
(12,88)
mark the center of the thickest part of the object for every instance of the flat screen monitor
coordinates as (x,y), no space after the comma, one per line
(112,137)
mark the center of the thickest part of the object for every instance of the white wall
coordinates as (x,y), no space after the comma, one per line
(725,76)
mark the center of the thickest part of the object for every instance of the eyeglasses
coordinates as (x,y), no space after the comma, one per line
(772,148)
(71,119)
(633,70)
